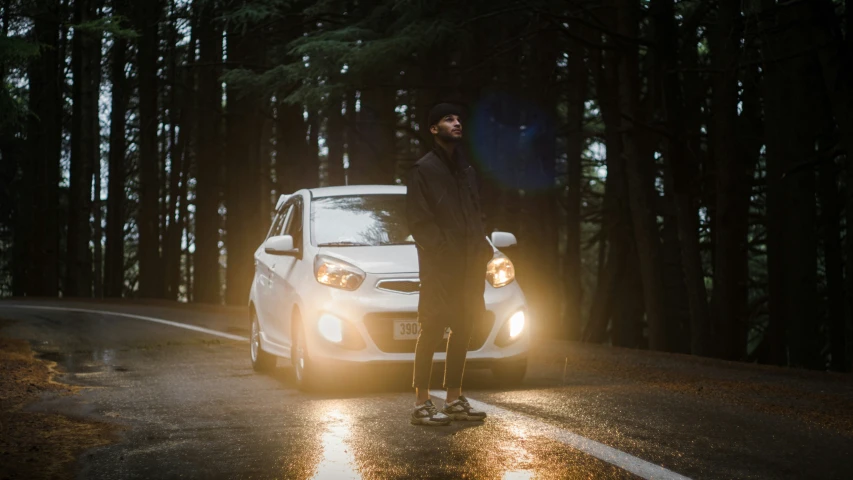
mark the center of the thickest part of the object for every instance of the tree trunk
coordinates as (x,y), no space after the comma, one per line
(266,156)
(291,147)
(85,140)
(206,269)
(311,167)
(244,229)
(350,134)
(835,54)
(335,142)
(181,102)
(830,202)
(627,324)
(732,189)
(538,241)
(114,255)
(681,175)
(572,273)
(678,300)
(44,137)
(183,220)
(640,176)
(616,217)
(98,233)
(750,140)
(376,129)
(150,275)
(171,148)
(791,240)
(188,259)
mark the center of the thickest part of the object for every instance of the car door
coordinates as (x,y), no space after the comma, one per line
(264,265)
(283,279)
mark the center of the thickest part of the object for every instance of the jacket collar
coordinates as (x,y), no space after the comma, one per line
(451,162)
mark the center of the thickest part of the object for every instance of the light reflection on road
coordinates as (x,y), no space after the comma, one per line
(518,475)
(337,461)
(512,448)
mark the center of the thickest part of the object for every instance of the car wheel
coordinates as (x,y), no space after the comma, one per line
(305,373)
(261,360)
(510,373)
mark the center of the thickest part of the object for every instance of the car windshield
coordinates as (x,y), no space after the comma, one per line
(360,220)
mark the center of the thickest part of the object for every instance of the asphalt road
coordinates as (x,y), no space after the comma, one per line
(192,407)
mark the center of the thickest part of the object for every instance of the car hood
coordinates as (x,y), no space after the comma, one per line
(384,259)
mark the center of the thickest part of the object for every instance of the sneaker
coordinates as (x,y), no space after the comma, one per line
(460,409)
(427,414)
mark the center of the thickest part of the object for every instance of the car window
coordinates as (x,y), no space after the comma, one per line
(360,220)
(278,222)
(293,225)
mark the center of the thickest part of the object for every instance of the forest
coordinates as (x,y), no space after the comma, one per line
(677,172)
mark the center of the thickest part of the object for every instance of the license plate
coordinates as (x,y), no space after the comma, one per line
(406,330)
(409,329)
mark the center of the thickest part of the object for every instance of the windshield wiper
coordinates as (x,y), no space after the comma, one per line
(397,243)
(344,244)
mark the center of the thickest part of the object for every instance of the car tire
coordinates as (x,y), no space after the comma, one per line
(305,374)
(510,373)
(261,360)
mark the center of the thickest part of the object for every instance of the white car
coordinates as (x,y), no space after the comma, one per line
(336,284)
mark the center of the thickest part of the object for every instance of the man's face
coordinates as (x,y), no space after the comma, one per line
(449,128)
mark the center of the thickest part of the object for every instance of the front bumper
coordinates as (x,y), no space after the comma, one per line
(359,309)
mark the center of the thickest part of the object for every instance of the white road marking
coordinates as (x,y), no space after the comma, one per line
(135,317)
(598,450)
(625,461)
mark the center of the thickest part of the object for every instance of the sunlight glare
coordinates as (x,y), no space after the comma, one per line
(337,461)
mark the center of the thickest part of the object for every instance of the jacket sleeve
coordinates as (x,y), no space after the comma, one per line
(477,185)
(421,219)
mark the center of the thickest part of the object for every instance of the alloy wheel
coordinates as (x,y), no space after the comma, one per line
(256,339)
(299,357)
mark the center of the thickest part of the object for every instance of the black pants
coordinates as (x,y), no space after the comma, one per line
(430,336)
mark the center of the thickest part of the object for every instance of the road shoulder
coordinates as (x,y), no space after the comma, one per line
(40,444)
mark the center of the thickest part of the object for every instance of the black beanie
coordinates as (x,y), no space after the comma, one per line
(442,110)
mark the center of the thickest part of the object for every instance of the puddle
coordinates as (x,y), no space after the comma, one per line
(83,363)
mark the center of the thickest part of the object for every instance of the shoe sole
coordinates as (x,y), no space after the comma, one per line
(464,418)
(429,423)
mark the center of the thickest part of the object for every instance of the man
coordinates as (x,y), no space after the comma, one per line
(444,216)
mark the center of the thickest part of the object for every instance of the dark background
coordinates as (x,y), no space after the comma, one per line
(676,172)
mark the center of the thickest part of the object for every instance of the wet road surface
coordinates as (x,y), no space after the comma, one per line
(192,407)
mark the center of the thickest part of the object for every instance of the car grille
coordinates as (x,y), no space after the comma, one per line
(380,326)
(400,286)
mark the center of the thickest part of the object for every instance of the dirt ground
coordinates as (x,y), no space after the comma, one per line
(32,444)
(820,398)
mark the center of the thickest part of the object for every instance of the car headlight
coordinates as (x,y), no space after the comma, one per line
(336,273)
(500,271)
(516,324)
(331,328)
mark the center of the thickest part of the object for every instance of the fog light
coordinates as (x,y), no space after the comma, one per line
(516,324)
(331,328)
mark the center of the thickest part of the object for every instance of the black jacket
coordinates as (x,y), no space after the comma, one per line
(445,219)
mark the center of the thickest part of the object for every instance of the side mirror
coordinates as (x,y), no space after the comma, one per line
(503,240)
(280,245)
